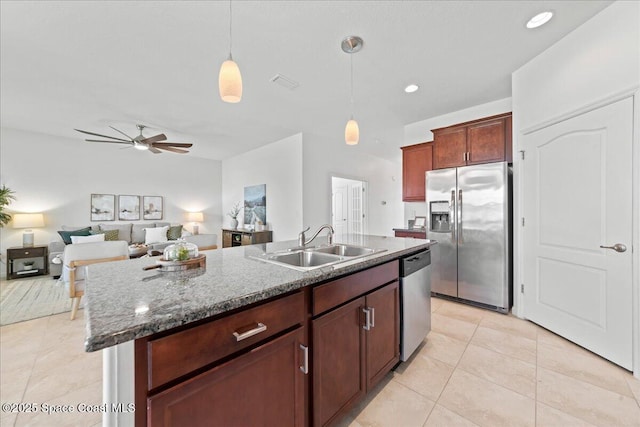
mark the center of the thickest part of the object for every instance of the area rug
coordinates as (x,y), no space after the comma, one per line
(26,299)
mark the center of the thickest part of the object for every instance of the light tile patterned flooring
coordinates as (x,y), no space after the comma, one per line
(477,368)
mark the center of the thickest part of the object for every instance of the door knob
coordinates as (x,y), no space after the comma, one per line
(618,247)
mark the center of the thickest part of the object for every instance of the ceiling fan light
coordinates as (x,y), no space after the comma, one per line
(230,82)
(140,147)
(352,132)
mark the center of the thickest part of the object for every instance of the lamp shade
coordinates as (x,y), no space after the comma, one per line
(230,82)
(195,217)
(28,220)
(352,133)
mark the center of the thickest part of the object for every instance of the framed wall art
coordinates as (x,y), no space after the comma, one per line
(152,207)
(128,208)
(255,204)
(103,207)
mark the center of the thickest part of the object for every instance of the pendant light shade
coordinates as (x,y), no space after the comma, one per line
(230,81)
(352,132)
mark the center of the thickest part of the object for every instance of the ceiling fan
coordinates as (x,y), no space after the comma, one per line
(141,142)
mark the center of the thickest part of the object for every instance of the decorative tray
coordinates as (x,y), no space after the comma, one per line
(199,261)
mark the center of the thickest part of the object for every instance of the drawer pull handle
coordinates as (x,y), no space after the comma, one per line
(305,363)
(251,332)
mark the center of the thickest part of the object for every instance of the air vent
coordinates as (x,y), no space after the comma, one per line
(285,81)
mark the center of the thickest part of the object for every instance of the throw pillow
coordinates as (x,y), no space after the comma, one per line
(124,230)
(109,235)
(87,239)
(66,235)
(175,232)
(155,235)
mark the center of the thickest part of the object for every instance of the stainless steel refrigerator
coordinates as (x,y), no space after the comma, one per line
(469,214)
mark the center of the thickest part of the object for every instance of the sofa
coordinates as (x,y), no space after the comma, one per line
(132,233)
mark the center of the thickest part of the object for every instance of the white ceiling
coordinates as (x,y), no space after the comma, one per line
(88,64)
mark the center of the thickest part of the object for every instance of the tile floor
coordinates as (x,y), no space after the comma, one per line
(477,368)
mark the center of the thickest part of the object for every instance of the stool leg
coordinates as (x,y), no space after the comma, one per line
(74,307)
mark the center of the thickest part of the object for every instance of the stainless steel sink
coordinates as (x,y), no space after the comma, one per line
(345,250)
(305,259)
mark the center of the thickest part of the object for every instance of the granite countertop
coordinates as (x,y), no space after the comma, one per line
(123,302)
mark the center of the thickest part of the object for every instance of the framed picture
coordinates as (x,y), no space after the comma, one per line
(420,222)
(128,208)
(255,204)
(103,207)
(152,207)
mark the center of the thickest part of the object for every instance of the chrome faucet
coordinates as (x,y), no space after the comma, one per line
(302,237)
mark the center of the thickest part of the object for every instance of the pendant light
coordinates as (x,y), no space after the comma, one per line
(229,79)
(351,45)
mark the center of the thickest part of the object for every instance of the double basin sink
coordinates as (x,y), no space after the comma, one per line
(305,259)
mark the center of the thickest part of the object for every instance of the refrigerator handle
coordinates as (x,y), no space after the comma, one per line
(460,237)
(452,215)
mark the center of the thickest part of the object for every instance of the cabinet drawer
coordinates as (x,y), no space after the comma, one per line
(414,234)
(27,252)
(336,292)
(178,354)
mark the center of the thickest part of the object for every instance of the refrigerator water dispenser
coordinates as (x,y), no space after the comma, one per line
(439,217)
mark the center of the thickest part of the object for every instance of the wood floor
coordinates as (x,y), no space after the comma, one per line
(476,368)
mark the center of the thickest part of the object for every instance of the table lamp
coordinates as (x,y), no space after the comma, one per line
(28,221)
(195,217)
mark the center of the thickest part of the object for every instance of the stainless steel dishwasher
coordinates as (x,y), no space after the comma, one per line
(415,293)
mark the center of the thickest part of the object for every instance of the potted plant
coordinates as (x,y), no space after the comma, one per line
(233,213)
(6,196)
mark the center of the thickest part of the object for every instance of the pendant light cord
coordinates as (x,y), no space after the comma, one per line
(351,55)
(230,32)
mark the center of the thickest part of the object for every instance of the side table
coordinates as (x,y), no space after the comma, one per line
(27,261)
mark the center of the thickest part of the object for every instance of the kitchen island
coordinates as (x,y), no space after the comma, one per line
(156,310)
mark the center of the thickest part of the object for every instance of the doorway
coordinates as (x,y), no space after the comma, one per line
(348,207)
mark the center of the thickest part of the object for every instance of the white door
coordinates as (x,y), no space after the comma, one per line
(340,211)
(577,197)
(356,214)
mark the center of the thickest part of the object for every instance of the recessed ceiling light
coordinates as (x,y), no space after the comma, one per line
(539,19)
(411,88)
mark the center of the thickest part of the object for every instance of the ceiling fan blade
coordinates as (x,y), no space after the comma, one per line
(110,142)
(102,136)
(173,150)
(172,144)
(154,150)
(151,139)
(119,131)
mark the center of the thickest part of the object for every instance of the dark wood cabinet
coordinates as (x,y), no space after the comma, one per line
(27,261)
(415,234)
(479,141)
(416,160)
(263,387)
(247,367)
(354,346)
(242,237)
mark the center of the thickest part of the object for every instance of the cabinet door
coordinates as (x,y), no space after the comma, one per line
(226,239)
(383,338)
(247,239)
(449,148)
(416,160)
(338,362)
(486,142)
(263,387)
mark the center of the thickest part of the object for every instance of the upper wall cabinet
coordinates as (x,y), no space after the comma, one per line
(416,160)
(479,141)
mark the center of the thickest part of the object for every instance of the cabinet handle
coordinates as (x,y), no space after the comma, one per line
(373,317)
(305,364)
(255,331)
(367,319)
(464,156)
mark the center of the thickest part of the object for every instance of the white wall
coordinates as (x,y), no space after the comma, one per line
(596,63)
(323,158)
(279,166)
(418,132)
(56,176)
